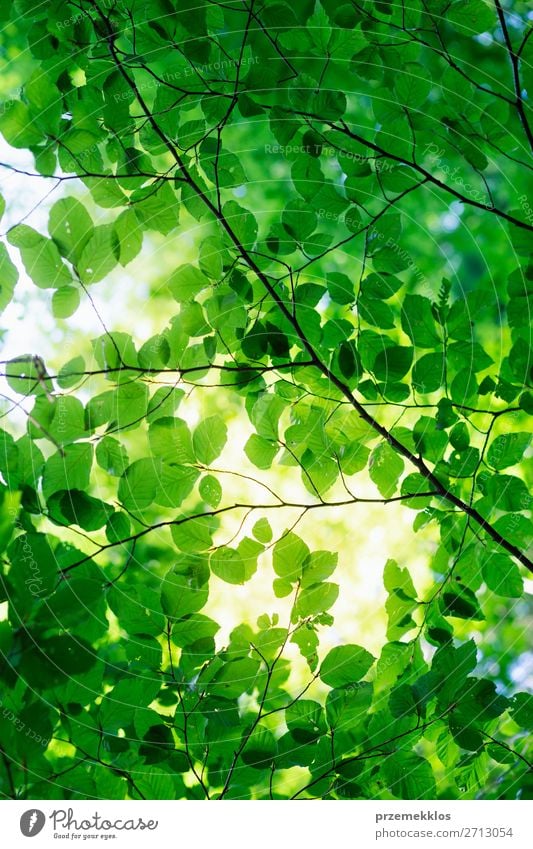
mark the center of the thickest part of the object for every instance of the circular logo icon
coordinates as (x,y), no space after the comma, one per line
(32,822)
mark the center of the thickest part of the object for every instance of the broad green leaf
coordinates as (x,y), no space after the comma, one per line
(412,85)
(318,566)
(171,440)
(428,374)
(261,452)
(69,468)
(393,363)
(522,710)
(409,776)
(210,490)
(305,720)
(187,282)
(71,373)
(97,258)
(129,236)
(507,450)
(345,665)
(262,530)
(347,707)
(265,415)
(242,223)
(17,125)
(33,572)
(418,322)
(461,602)
(385,469)
(316,599)
(192,533)
(299,220)
(70,226)
(289,556)
(41,258)
(8,278)
(74,507)
(236,566)
(139,484)
(181,594)
(209,439)
(502,576)
(401,601)
(65,301)
(112,456)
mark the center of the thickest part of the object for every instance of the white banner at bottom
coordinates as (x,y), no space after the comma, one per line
(267,825)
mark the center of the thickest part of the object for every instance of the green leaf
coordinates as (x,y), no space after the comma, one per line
(428,373)
(41,258)
(261,452)
(299,220)
(73,507)
(393,363)
(316,599)
(71,373)
(33,572)
(345,665)
(502,576)
(193,628)
(305,720)
(507,450)
(118,527)
(472,16)
(265,415)
(112,456)
(65,301)
(70,226)
(156,210)
(209,439)
(236,566)
(242,223)
(187,282)
(69,468)
(262,530)
(318,566)
(409,776)
(183,593)
(418,322)
(138,485)
(193,534)
(340,288)
(210,490)
(307,641)
(260,749)
(460,602)
(401,602)
(17,125)
(234,678)
(98,257)
(522,710)
(171,440)
(128,235)
(26,375)
(508,493)
(8,278)
(347,707)
(289,556)
(385,468)
(412,85)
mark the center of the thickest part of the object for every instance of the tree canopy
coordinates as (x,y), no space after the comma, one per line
(331,204)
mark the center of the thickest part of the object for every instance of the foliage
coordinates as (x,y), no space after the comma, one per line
(354,175)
